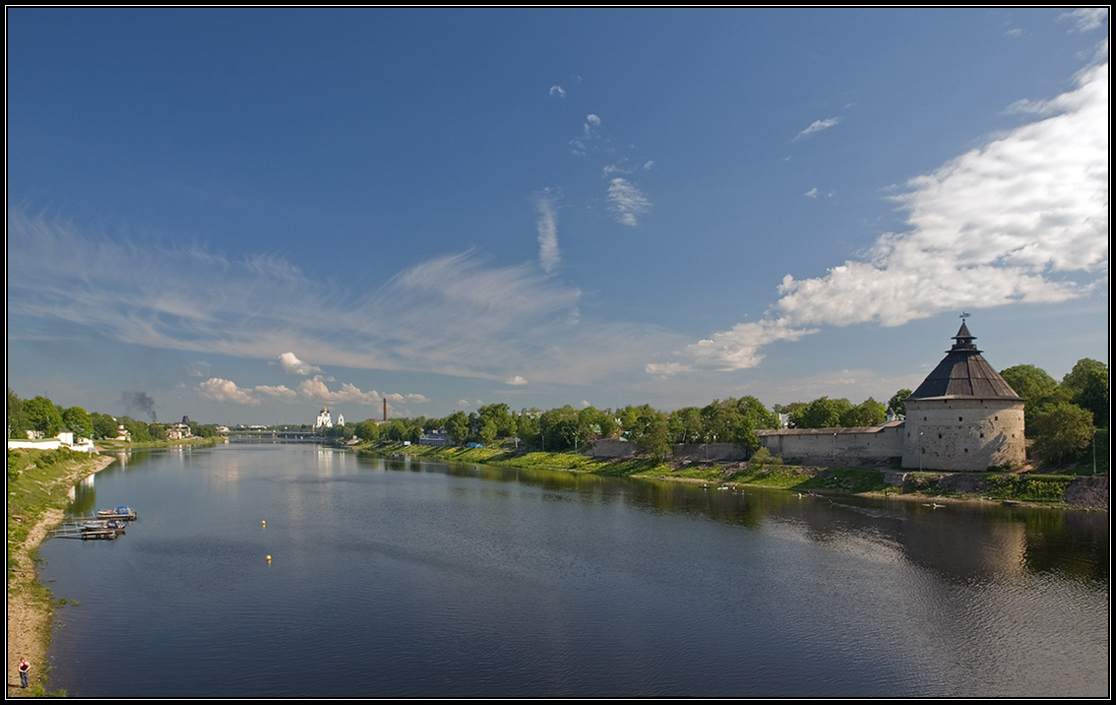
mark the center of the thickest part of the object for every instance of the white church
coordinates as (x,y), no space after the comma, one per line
(324,420)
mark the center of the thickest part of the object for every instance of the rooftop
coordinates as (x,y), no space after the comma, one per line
(964,373)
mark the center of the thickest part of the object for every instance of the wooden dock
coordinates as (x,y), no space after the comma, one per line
(89,530)
(106,525)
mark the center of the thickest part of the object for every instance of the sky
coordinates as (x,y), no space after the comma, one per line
(245,215)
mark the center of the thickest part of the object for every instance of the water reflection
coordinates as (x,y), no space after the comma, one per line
(963,542)
(409,578)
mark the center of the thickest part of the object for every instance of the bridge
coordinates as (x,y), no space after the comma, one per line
(272,435)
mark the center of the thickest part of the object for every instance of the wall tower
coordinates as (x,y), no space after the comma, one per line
(964,416)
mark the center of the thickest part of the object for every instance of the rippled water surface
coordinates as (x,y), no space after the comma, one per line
(401,578)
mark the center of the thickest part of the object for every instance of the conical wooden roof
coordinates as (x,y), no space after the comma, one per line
(964,373)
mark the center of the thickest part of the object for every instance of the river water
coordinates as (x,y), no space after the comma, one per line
(394,577)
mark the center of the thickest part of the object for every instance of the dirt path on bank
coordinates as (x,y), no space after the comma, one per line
(28,618)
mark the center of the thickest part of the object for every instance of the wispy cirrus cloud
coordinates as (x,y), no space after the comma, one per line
(818,126)
(547,224)
(1021,219)
(455,314)
(558,91)
(626,201)
(1085,19)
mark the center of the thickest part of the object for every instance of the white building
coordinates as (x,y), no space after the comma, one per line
(324,421)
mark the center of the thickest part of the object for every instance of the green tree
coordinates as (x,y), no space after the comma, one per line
(527,426)
(898,402)
(561,429)
(868,413)
(686,425)
(457,426)
(501,418)
(136,429)
(597,423)
(104,426)
(17,420)
(1030,382)
(1038,389)
(43,416)
(651,433)
(820,413)
(1061,431)
(486,434)
(78,420)
(1087,384)
(368,430)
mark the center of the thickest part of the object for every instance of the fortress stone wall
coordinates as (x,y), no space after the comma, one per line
(865,445)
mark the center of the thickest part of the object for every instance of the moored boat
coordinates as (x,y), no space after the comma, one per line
(122,512)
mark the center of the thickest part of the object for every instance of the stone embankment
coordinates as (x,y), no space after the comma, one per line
(1088,492)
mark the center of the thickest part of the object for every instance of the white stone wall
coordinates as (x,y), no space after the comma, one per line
(963,434)
(835,446)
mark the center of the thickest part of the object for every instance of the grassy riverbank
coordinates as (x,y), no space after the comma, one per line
(1029,488)
(39,484)
(107,445)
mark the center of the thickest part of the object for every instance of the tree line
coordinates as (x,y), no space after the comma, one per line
(1062,419)
(42,415)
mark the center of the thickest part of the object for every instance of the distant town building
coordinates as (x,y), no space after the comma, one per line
(324,421)
(179,431)
(64,439)
(437,437)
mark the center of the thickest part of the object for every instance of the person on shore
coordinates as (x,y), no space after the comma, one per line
(24,669)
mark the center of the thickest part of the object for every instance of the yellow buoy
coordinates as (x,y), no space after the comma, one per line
(263,523)
(269,559)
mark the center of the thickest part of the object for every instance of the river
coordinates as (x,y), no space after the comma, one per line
(399,578)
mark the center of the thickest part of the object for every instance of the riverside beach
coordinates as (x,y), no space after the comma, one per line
(30,608)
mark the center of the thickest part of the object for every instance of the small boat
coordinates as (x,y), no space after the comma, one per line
(125,513)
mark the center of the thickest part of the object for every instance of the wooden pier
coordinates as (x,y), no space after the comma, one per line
(107,525)
(89,530)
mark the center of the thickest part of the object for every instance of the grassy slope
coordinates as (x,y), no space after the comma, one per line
(999,486)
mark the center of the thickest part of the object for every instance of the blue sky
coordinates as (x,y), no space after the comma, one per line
(247,215)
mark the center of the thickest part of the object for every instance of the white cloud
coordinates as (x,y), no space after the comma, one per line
(223,390)
(281,392)
(818,126)
(549,255)
(290,364)
(812,193)
(316,389)
(517,380)
(665,369)
(558,91)
(1021,219)
(593,120)
(626,201)
(1086,18)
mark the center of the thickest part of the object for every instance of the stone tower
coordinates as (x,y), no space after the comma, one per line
(964,416)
